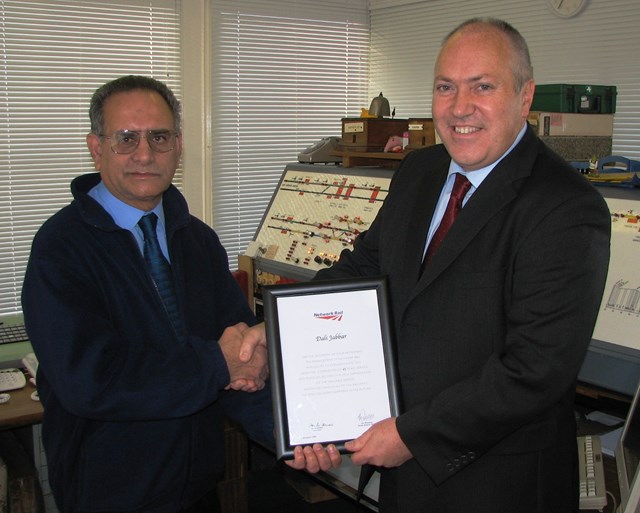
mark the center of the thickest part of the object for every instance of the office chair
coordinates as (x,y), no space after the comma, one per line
(242,277)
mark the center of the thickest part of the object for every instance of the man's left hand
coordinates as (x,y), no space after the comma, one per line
(254,341)
(380,445)
(247,375)
(315,458)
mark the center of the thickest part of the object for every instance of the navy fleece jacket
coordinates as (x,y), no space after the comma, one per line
(132,417)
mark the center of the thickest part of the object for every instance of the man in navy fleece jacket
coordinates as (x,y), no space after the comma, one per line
(133,407)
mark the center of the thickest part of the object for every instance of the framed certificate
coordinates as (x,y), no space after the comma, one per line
(331,360)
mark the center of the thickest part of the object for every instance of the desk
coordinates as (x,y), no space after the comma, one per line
(21,410)
(17,451)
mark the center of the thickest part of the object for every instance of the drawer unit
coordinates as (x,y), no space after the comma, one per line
(421,133)
(370,134)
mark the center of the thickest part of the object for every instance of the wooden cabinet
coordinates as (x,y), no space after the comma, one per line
(370,134)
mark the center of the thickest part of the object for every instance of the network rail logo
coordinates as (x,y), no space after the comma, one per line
(329,316)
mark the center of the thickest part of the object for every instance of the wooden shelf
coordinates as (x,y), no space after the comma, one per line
(370,158)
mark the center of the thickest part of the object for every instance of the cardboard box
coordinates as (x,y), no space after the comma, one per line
(559,123)
(586,99)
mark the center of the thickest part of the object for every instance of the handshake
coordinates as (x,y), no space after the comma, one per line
(245,351)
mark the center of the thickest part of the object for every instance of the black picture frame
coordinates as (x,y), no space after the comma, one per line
(333,371)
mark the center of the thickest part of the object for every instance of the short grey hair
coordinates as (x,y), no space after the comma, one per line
(126,84)
(521,65)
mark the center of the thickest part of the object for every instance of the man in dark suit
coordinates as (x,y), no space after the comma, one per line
(492,331)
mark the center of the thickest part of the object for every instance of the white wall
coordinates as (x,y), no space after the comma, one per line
(601,46)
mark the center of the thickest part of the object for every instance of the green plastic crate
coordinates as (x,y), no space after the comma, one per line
(576,98)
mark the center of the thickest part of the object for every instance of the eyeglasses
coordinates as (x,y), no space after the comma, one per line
(127,141)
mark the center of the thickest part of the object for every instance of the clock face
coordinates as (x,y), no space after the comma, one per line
(566,8)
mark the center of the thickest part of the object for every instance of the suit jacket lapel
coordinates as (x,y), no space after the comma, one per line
(419,204)
(420,218)
(497,190)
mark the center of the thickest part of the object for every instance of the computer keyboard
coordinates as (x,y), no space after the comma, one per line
(593,492)
(12,333)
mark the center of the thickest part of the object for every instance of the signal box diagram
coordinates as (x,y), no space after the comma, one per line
(315,213)
(619,318)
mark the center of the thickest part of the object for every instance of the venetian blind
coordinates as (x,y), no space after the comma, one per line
(53,55)
(285,72)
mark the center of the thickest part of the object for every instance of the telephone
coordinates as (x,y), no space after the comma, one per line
(321,151)
(11,379)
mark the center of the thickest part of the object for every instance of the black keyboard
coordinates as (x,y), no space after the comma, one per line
(13,333)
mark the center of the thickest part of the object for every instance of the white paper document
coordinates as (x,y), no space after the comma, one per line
(332,364)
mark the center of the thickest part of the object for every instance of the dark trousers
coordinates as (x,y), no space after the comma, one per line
(207,504)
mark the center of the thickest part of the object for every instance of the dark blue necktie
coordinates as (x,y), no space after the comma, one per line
(160,270)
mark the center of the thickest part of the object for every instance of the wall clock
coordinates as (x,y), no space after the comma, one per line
(566,8)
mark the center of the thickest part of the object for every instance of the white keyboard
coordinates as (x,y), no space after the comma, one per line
(593,492)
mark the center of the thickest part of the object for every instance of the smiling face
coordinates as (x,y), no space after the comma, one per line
(476,108)
(141,177)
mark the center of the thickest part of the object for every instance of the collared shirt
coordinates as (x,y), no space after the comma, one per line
(127,217)
(475,177)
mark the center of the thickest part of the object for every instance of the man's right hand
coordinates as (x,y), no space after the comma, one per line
(254,337)
(246,355)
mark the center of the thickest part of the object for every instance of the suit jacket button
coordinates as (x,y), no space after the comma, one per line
(449,468)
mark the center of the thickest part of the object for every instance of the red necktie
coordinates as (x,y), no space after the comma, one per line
(460,189)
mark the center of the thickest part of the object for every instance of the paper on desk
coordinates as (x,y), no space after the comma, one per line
(603,418)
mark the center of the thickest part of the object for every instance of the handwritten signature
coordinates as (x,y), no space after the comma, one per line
(319,426)
(365,419)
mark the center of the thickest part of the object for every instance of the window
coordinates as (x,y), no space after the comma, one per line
(285,72)
(54,54)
